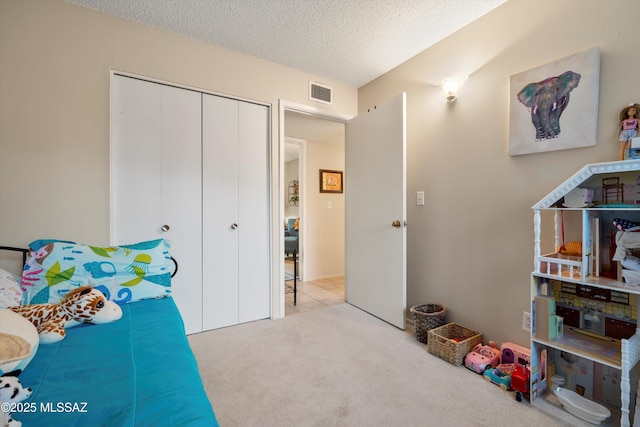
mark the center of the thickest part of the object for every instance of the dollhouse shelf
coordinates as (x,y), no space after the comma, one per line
(605,350)
(590,228)
(599,282)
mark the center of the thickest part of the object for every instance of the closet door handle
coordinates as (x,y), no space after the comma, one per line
(165,228)
(234,226)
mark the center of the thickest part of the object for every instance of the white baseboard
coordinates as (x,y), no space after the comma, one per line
(329,276)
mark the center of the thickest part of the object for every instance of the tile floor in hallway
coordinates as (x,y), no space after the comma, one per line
(313,295)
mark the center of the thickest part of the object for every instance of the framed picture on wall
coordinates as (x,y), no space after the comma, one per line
(330,181)
(555,106)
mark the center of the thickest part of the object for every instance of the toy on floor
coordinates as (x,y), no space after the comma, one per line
(501,375)
(515,353)
(482,357)
(520,381)
(11,393)
(81,305)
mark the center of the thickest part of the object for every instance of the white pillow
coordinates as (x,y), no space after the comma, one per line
(631,263)
(10,289)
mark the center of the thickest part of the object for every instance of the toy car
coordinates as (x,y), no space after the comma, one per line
(482,357)
(501,375)
(514,353)
(520,381)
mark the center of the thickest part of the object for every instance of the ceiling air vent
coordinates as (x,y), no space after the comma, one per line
(320,93)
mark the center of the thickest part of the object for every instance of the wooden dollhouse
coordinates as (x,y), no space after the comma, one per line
(583,253)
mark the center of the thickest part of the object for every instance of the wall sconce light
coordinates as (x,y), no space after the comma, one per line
(450,88)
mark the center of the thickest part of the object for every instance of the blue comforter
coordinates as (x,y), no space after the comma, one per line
(137,371)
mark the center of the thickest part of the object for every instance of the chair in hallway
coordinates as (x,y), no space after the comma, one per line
(291,247)
(291,236)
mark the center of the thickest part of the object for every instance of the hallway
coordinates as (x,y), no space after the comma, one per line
(313,295)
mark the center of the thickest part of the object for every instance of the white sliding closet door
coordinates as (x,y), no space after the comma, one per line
(235,212)
(220,212)
(156,179)
(253,190)
(193,168)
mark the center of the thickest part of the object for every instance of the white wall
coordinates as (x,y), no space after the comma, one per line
(471,246)
(324,256)
(55,108)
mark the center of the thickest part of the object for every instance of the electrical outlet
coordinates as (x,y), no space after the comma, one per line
(526,321)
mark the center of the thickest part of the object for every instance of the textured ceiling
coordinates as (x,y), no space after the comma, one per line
(349,41)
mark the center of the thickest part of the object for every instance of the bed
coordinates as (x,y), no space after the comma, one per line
(136,371)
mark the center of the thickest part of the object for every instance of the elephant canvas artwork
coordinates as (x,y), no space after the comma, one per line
(555,106)
(546,100)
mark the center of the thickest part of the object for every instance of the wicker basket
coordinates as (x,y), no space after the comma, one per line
(452,342)
(427,317)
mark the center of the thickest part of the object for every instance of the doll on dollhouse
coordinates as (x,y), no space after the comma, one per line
(628,128)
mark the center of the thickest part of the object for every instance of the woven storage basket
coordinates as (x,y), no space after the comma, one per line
(427,317)
(441,342)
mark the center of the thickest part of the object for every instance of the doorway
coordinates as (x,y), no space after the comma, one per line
(376,250)
(294,161)
(320,136)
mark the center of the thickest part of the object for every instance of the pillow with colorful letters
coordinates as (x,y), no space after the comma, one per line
(123,273)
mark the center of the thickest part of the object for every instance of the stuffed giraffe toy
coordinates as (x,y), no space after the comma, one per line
(81,305)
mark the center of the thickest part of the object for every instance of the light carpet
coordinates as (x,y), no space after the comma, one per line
(340,366)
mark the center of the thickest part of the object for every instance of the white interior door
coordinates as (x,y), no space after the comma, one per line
(220,211)
(236,286)
(156,180)
(375,189)
(253,227)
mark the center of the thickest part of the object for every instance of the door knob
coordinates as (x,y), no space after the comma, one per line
(396,224)
(165,228)
(234,226)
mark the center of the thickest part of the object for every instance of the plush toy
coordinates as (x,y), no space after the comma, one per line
(81,305)
(18,342)
(11,392)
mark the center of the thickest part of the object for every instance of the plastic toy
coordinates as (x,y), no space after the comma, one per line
(520,381)
(482,357)
(515,353)
(500,376)
(628,128)
(581,407)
